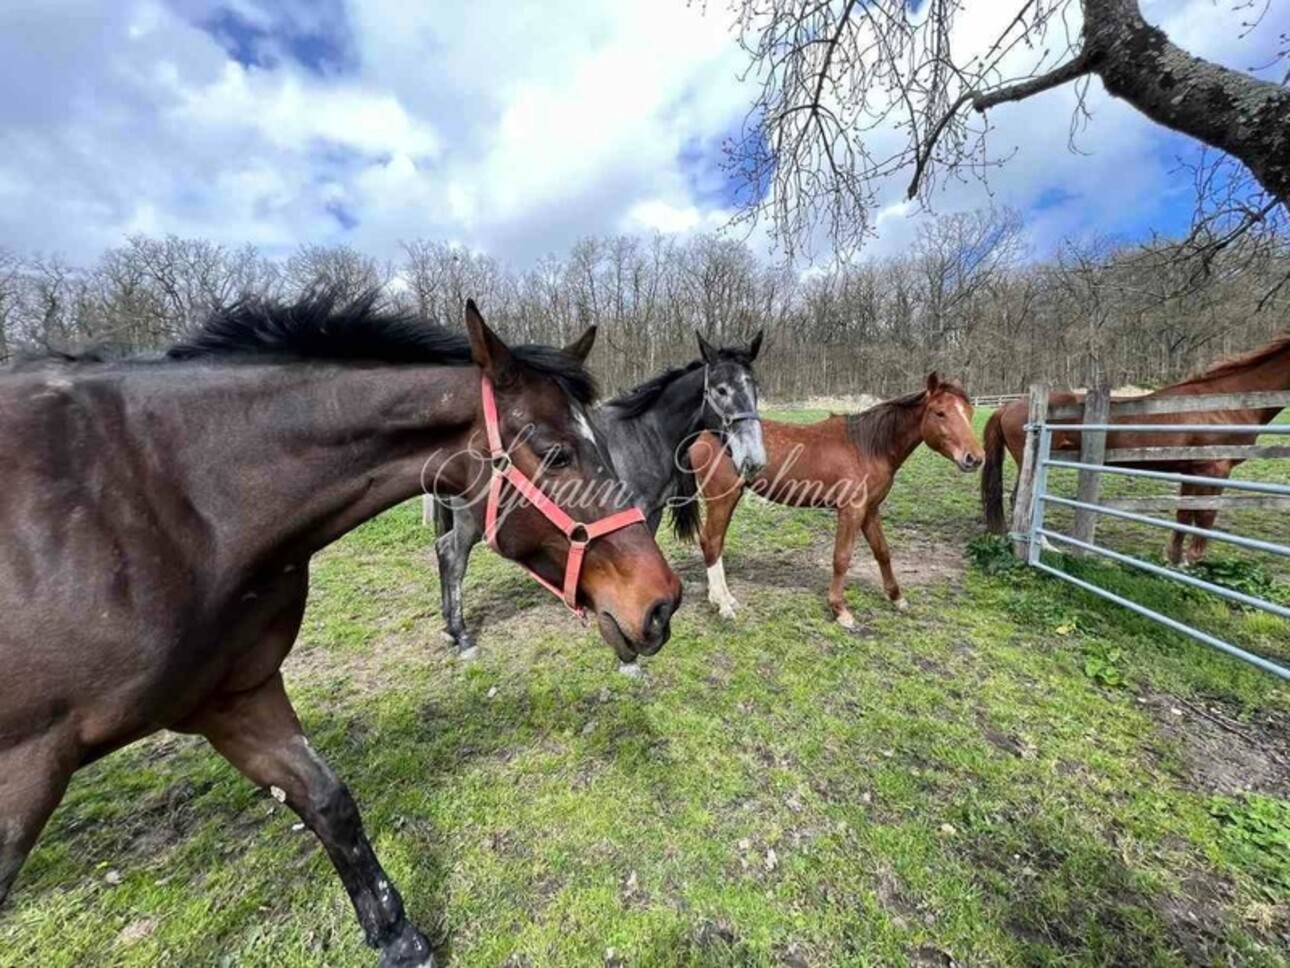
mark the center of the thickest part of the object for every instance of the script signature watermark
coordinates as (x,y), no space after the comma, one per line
(607,494)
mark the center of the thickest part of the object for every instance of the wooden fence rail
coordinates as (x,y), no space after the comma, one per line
(996,400)
(1097,408)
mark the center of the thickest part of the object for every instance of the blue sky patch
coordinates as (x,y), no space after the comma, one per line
(324,46)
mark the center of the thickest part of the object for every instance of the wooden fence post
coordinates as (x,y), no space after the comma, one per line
(1036,414)
(1092,450)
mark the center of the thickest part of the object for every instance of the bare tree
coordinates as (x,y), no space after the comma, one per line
(10,281)
(342,268)
(852,93)
(966,297)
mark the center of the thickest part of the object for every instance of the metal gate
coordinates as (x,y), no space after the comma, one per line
(1032,535)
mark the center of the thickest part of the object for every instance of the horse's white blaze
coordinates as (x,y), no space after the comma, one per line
(584,425)
(718,592)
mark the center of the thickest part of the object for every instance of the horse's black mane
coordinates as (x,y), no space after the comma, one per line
(874,430)
(325,326)
(632,403)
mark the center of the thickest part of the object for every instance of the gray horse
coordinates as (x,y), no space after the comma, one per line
(648,431)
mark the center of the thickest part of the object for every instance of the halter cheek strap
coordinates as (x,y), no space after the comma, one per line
(728,420)
(579,533)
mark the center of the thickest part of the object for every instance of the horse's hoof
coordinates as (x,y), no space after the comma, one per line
(409,950)
(726,611)
(902,604)
(847,621)
(468,654)
(631,670)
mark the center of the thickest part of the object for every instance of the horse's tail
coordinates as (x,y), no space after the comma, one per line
(686,506)
(436,512)
(992,476)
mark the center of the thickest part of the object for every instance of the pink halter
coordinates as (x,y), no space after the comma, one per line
(579,534)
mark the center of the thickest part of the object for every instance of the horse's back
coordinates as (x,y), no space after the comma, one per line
(811,465)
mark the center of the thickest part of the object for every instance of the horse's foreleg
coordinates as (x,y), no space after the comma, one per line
(712,538)
(843,547)
(33,778)
(459,532)
(878,545)
(258,732)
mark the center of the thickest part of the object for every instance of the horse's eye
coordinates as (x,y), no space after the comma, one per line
(940,413)
(723,390)
(558,457)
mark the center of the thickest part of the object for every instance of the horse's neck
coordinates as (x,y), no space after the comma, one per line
(680,403)
(904,440)
(670,420)
(908,435)
(337,448)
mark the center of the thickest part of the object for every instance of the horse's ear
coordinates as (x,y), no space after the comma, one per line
(755,346)
(581,347)
(706,350)
(933,382)
(486,347)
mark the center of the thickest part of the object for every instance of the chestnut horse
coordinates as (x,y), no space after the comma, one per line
(159,519)
(1264,369)
(846,462)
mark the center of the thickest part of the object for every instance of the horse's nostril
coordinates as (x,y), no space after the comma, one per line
(659,616)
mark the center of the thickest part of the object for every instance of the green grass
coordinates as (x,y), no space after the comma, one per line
(964,780)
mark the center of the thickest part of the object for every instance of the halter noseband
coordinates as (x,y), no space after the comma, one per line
(579,533)
(728,420)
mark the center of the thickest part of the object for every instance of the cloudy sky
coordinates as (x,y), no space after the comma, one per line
(509,127)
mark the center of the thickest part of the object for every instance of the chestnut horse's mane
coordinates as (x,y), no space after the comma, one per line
(874,430)
(1241,361)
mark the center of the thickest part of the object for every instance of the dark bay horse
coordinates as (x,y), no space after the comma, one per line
(159,518)
(647,431)
(844,462)
(1267,368)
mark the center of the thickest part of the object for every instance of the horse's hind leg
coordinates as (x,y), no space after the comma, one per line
(1204,518)
(459,532)
(33,778)
(843,546)
(1174,546)
(258,732)
(1197,519)
(872,528)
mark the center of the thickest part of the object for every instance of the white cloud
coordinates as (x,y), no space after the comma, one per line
(506,126)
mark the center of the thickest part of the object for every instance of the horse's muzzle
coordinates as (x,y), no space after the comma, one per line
(655,632)
(969,463)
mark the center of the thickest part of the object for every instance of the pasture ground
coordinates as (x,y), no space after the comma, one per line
(1012,773)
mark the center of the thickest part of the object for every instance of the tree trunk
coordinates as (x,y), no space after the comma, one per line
(1246,117)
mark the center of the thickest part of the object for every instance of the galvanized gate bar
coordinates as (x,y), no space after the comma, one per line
(1260,487)
(1254,544)
(1172,574)
(1266,664)
(1249,430)
(1037,535)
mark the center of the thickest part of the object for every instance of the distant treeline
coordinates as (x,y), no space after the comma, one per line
(967,298)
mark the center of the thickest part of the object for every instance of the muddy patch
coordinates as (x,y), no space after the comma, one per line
(916,562)
(1221,755)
